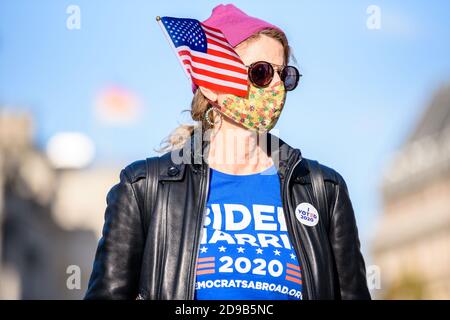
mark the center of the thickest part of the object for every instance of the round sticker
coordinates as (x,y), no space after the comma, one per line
(307,214)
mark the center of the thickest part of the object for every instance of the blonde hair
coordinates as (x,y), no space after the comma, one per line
(200,104)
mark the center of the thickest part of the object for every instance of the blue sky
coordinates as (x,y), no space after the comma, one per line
(362,91)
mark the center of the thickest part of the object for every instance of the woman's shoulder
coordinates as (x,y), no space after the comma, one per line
(329,174)
(161,165)
(135,170)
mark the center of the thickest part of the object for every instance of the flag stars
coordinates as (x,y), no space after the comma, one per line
(241,250)
(259,251)
(222,249)
(292,256)
(183,32)
(203,249)
(276,252)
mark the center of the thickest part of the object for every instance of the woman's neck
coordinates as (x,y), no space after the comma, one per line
(234,149)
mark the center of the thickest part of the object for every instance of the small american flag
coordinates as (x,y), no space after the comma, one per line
(206,56)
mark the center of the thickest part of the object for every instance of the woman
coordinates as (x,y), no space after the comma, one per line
(243,215)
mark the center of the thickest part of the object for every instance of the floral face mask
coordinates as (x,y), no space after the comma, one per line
(260,111)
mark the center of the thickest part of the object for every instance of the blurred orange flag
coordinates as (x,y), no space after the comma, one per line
(117,106)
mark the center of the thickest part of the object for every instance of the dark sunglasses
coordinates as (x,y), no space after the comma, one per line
(261,74)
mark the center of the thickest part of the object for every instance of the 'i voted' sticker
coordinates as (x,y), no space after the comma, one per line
(307,214)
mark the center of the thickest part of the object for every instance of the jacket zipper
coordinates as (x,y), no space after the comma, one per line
(305,270)
(204,192)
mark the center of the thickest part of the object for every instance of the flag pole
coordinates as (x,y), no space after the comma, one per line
(169,40)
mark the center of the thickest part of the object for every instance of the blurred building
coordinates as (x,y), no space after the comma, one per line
(50,219)
(412,242)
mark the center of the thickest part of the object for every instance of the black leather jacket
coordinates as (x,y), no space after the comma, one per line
(131,263)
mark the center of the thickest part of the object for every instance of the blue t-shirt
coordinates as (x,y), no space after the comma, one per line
(245,252)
